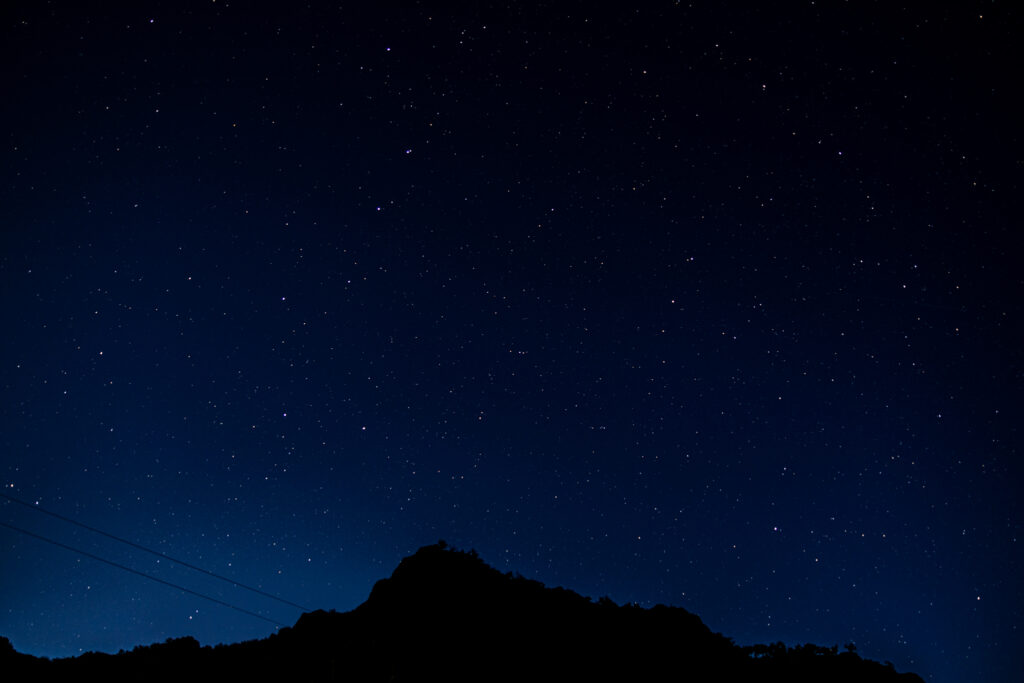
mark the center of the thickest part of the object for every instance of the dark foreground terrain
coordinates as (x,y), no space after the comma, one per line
(445,615)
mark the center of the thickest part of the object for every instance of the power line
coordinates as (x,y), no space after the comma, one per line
(153,552)
(142,574)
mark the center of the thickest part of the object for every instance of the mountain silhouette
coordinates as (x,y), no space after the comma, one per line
(444,614)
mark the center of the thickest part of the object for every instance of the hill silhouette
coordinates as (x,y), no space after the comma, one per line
(444,614)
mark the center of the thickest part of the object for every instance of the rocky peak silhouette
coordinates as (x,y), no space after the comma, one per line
(445,614)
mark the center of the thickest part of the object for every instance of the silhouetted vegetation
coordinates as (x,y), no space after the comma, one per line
(446,615)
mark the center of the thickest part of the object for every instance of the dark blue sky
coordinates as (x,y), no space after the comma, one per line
(714,307)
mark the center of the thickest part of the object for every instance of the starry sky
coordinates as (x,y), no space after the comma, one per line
(708,304)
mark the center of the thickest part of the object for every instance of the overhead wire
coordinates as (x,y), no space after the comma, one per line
(142,574)
(143,548)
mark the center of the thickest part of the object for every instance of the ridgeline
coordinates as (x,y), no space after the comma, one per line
(446,615)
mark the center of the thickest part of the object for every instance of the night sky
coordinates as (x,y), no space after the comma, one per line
(716,305)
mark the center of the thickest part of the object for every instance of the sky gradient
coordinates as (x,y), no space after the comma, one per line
(712,306)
